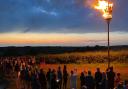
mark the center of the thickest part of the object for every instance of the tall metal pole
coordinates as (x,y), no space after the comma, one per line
(108,23)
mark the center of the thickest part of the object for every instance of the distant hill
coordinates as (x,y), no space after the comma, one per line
(28,50)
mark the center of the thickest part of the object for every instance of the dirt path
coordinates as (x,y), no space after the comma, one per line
(11,81)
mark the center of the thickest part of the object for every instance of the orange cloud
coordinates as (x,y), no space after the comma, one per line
(59,39)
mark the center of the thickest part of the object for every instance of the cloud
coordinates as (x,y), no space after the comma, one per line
(52,13)
(69,16)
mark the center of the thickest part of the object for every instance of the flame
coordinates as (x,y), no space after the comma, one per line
(105,7)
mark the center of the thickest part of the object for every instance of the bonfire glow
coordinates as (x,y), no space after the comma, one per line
(105,7)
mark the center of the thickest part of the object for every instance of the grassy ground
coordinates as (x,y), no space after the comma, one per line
(87,57)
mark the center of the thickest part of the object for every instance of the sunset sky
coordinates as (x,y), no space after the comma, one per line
(60,23)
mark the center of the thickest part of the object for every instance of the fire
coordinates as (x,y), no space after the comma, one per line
(105,7)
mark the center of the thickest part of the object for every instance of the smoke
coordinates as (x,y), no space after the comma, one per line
(90,3)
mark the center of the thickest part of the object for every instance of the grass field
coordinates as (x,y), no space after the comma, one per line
(120,56)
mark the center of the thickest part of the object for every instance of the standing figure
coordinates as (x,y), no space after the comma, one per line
(48,75)
(42,79)
(54,84)
(34,80)
(98,78)
(65,77)
(104,81)
(117,79)
(111,77)
(89,81)
(59,76)
(82,79)
(73,80)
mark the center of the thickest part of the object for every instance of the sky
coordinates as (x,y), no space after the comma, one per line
(60,23)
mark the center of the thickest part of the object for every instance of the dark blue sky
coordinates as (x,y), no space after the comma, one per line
(60,22)
(58,16)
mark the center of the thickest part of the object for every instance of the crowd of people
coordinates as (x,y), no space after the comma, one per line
(28,75)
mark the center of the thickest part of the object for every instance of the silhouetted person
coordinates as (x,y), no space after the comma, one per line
(73,80)
(53,73)
(65,77)
(98,78)
(104,81)
(82,79)
(117,79)
(111,77)
(17,67)
(34,81)
(54,84)
(49,75)
(59,76)
(89,81)
(42,79)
